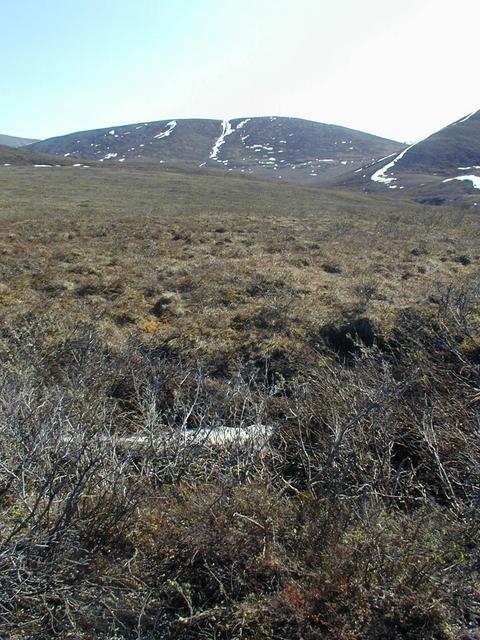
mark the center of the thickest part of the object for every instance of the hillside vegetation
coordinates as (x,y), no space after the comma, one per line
(235,409)
(10,155)
(292,149)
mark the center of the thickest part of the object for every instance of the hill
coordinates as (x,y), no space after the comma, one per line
(441,169)
(281,148)
(10,156)
(14,141)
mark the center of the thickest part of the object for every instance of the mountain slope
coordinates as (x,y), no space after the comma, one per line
(10,156)
(441,169)
(287,148)
(14,141)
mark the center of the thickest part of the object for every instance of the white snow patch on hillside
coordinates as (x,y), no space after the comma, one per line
(242,124)
(260,146)
(465,118)
(112,132)
(226,131)
(170,127)
(468,168)
(42,165)
(109,156)
(381,174)
(475,180)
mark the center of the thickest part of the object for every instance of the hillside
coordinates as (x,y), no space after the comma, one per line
(10,156)
(441,169)
(281,148)
(14,141)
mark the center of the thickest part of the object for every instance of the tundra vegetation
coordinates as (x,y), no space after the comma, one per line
(142,311)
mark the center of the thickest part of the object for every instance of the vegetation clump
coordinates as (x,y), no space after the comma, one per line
(356,516)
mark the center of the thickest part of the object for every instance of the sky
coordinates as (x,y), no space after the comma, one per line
(400,69)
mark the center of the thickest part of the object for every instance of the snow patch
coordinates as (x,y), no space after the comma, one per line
(260,146)
(380,175)
(170,127)
(226,131)
(242,124)
(475,180)
(465,118)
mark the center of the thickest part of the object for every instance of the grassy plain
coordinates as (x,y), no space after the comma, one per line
(218,262)
(135,301)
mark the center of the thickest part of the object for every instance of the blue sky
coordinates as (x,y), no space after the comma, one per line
(398,69)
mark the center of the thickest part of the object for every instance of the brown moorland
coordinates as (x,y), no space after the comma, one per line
(144,310)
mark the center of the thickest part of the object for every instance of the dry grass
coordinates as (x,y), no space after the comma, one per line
(217,263)
(143,303)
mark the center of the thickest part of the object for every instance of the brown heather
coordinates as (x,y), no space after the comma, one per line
(137,305)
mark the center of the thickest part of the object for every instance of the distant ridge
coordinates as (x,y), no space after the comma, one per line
(10,156)
(14,141)
(289,149)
